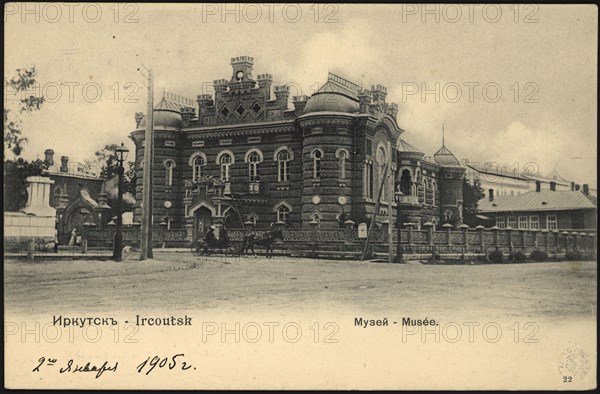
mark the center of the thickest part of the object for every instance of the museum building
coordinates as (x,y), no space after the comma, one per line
(244,156)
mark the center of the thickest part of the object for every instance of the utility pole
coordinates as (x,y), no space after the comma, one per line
(390,198)
(146,231)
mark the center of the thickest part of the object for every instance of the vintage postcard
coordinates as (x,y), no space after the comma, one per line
(300,196)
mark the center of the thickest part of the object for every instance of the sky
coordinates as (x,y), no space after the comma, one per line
(511,84)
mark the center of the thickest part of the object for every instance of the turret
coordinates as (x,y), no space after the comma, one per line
(299,104)
(379,94)
(365,98)
(264,84)
(281,96)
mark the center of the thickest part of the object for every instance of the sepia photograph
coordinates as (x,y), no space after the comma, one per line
(288,196)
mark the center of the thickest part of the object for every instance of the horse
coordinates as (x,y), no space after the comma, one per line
(266,241)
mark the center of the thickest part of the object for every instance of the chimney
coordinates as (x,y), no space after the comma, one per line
(187,114)
(64,164)
(365,98)
(299,104)
(281,96)
(586,189)
(138,118)
(491,194)
(379,94)
(204,101)
(553,186)
(577,187)
(538,186)
(49,156)
(264,84)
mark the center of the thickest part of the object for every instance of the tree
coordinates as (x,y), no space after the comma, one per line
(20,85)
(15,174)
(472,193)
(106,160)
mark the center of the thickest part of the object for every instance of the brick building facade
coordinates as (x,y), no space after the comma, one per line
(243,155)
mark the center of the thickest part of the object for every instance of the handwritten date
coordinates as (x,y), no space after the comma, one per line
(170,362)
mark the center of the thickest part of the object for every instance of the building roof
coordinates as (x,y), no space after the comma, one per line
(498,171)
(403,146)
(444,157)
(337,95)
(167,113)
(545,200)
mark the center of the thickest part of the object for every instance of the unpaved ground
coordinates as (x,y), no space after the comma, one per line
(181,282)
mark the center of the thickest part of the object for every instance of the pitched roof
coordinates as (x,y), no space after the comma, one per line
(168,105)
(545,200)
(444,157)
(403,146)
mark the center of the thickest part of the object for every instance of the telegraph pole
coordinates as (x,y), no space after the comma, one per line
(146,235)
(390,198)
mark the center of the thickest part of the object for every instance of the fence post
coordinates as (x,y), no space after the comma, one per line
(409,237)
(546,241)
(593,243)
(566,235)
(448,228)
(30,249)
(584,243)
(511,247)
(481,229)
(465,229)
(429,227)
(524,239)
(495,229)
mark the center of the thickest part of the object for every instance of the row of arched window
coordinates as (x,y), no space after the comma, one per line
(254,157)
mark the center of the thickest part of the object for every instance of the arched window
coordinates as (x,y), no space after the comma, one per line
(57,191)
(169,165)
(406,183)
(316,217)
(424,191)
(317,155)
(433,192)
(252,219)
(342,155)
(225,162)
(198,167)
(283,213)
(368,179)
(253,166)
(283,162)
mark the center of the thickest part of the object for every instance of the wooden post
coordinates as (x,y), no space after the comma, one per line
(146,231)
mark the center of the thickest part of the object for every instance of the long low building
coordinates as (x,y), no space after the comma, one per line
(544,209)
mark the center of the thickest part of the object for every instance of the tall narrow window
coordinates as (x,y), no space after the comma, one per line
(253,167)
(198,167)
(534,222)
(433,192)
(169,165)
(317,156)
(342,163)
(500,222)
(512,222)
(283,160)
(225,163)
(368,186)
(551,223)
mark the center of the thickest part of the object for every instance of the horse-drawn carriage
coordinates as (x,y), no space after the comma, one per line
(225,246)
